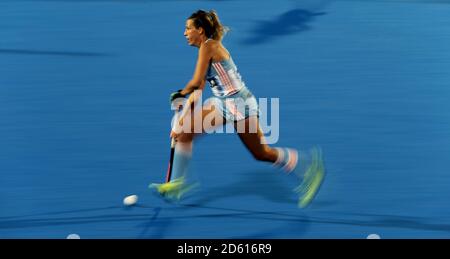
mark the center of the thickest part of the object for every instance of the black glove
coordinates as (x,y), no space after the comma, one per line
(175,95)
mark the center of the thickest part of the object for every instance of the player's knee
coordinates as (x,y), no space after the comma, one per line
(185,137)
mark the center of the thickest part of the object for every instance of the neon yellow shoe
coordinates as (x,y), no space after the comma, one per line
(312,179)
(174,189)
(308,167)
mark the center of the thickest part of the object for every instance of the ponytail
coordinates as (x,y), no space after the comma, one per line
(219,29)
(210,23)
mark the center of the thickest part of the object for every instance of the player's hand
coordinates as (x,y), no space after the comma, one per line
(176,95)
(174,135)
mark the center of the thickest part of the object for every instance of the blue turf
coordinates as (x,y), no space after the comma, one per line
(84,119)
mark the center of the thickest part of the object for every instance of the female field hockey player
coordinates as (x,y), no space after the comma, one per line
(216,66)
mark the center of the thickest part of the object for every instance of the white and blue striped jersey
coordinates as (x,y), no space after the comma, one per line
(224,78)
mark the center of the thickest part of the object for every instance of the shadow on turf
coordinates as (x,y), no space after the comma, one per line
(291,22)
(264,184)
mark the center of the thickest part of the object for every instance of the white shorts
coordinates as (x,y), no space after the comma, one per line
(238,106)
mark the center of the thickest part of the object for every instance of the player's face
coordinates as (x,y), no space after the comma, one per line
(192,34)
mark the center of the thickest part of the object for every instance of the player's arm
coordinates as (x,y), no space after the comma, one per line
(198,79)
(197,83)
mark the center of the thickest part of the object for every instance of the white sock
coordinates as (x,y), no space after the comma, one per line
(281,157)
(181,159)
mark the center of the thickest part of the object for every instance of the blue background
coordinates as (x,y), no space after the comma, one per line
(84,119)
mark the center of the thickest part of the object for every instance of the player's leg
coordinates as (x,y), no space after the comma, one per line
(311,170)
(285,158)
(201,120)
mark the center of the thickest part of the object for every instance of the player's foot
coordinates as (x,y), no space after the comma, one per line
(174,190)
(312,179)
